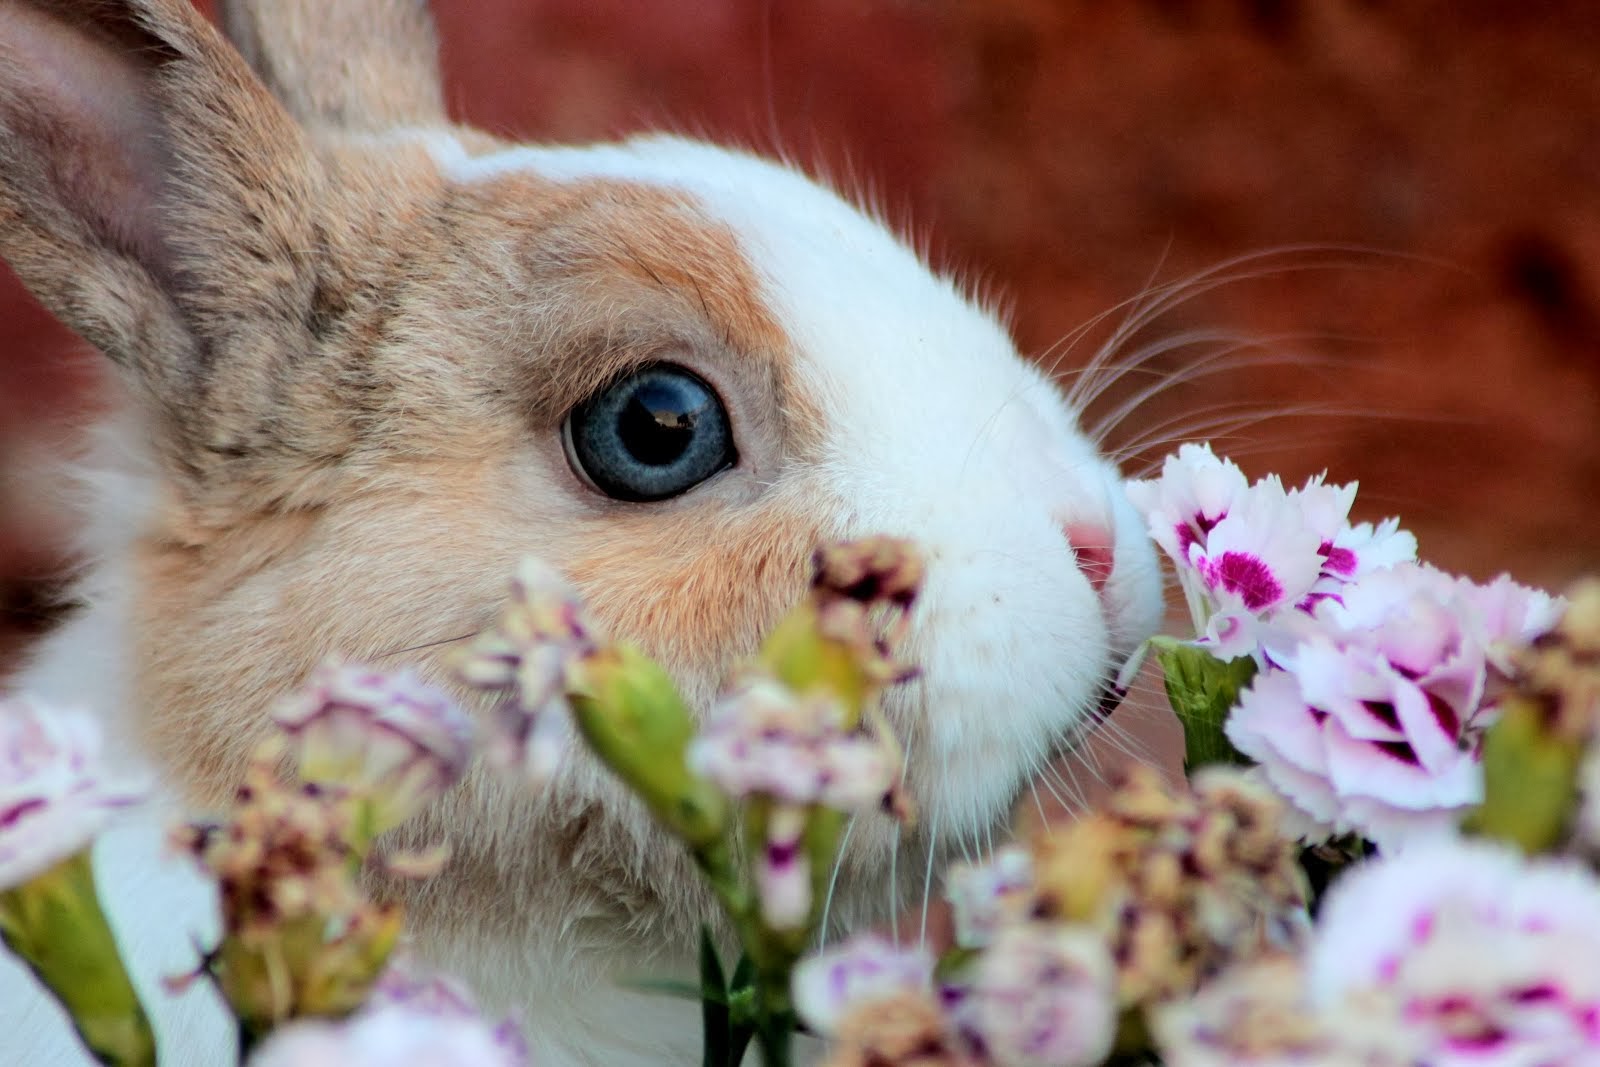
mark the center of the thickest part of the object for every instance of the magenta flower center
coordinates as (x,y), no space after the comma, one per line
(1247,576)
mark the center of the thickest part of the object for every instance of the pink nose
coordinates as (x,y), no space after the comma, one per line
(1096,551)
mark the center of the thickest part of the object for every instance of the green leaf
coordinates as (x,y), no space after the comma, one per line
(667,987)
(1202,690)
(1530,779)
(713,1003)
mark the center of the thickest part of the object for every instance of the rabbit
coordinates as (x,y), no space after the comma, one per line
(365,360)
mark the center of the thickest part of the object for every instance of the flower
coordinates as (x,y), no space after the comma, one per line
(1181,882)
(783,871)
(388,737)
(1260,1016)
(299,936)
(530,656)
(385,1037)
(1488,957)
(1043,994)
(405,988)
(763,738)
(904,1030)
(1375,720)
(1246,554)
(828,986)
(985,896)
(55,793)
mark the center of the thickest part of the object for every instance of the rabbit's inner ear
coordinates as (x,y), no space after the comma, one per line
(352,64)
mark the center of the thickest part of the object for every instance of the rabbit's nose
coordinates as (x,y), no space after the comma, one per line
(1095,548)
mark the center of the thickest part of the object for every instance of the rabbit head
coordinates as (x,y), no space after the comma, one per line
(370,359)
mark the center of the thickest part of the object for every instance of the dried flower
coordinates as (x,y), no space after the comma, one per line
(1561,666)
(530,656)
(1043,994)
(388,737)
(985,896)
(1489,958)
(830,985)
(1182,882)
(1260,1016)
(299,937)
(903,1030)
(55,793)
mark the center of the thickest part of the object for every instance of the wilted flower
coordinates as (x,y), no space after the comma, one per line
(1488,958)
(1375,721)
(829,985)
(55,793)
(1260,1016)
(393,740)
(384,1038)
(1182,882)
(903,1030)
(299,936)
(984,896)
(529,656)
(1043,994)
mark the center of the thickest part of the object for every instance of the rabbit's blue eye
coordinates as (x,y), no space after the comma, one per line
(657,433)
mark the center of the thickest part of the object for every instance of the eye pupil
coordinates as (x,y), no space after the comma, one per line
(658,424)
(654,434)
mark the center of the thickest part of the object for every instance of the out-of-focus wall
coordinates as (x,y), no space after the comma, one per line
(1418,185)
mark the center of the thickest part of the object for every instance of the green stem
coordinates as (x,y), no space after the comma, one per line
(54,924)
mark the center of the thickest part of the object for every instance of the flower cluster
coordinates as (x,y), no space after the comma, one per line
(1378,674)
(1246,554)
(1131,906)
(1451,953)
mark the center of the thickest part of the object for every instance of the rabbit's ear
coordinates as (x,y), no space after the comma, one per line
(160,202)
(351,64)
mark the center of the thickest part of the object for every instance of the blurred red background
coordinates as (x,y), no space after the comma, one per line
(1425,178)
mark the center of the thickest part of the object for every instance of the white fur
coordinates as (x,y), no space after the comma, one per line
(935,430)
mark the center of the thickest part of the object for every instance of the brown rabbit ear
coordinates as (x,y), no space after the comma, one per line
(158,199)
(353,64)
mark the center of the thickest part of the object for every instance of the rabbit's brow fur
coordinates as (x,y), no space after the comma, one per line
(348,332)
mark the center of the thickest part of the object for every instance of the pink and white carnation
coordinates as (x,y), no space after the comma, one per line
(386,735)
(56,793)
(1488,957)
(983,897)
(405,987)
(782,870)
(1043,994)
(1246,554)
(1374,721)
(831,984)
(384,1037)
(763,738)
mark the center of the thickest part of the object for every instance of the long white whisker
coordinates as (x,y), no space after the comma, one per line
(927,880)
(833,879)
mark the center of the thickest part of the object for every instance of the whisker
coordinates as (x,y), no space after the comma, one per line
(927,880)
(427,644)
(833,879)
